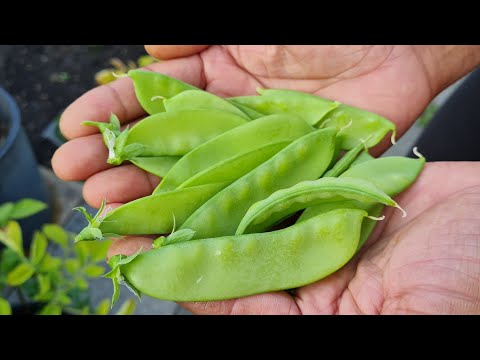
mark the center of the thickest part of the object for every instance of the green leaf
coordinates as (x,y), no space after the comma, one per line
(94,271)
(103,308)
(85,213)
(72,265)
(20,274)
(96,250)
(27,207)
(5,211)
(81,283)
(56,234)
(64,299)
(8,260)
(116,291)
(127,308)
(38,247)
(114,121)
(51,309)
(11,237)
(5,308)
(43,288)
(49,263)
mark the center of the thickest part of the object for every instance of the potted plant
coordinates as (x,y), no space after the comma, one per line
(19,177)
(51,276)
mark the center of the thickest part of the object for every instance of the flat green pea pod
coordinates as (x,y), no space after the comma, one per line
(172,133)
(283,203)
(231,155)
(304,159)
(154,214)
(392,175)
(152,87)
(311,108)
(343,164)
(357,126)
(199,99)
(252,114)
(236,266)
(159,165)
(362,157)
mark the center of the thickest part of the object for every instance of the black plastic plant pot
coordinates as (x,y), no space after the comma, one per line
(19,175)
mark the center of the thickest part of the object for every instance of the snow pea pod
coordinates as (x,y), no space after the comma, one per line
(154,214)
(159,165)
(362,157)
(172,133)
(236,266)
(343,164)
(252,135)
(391,174)
(252,114)
(309,107)
(304,159)
(151,87)
(283,203)
(198,99)
(358,125)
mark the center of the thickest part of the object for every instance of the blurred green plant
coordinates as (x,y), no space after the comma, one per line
(119,68)
(427,115)
(46,284)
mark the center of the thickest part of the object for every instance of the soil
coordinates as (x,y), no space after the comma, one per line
(45,79)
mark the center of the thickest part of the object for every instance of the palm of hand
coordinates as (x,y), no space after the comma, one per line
(410,267)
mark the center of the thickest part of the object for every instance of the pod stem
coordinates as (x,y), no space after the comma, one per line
(92,232)
(115,140)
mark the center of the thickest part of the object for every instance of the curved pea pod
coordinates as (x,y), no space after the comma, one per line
(345,161)
(236,266)
(154,214)
(357,126)
(311,108)
(252,114)
(362,157)
(304,159)
(151,87)
(199,99)
(224,150)
(390,174)
(172,133)
(283,203)
(159,165)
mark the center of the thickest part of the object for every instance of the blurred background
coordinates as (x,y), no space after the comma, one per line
(40,81)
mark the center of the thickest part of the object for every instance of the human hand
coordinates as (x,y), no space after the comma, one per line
(394,81)
(427,263)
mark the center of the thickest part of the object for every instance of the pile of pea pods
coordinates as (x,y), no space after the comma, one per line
(258,193)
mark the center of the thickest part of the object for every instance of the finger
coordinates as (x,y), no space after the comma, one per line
(434,184)
(166,52)
(274,303)
(129,245)
(80,158)
(120,184)
(118,97)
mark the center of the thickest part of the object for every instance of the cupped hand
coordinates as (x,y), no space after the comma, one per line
(426,263)
(393,81)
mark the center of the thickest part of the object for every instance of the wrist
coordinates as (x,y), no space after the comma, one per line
(445,64)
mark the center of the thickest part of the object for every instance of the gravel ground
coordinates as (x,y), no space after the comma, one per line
(44,79)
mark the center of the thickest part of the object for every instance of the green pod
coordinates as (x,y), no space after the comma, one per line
(361,158)
(357,125)
(241,140)
(252,114)
(236,266)
(283,203)
(199,99)
(304,159)
(392,175)
(309,107)
(154,214)
(159,165)
(151,87)
(172,133)
(344,163)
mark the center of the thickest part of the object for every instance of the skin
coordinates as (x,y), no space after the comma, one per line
(441,244)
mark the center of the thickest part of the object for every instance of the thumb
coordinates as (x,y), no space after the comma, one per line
(167,52)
